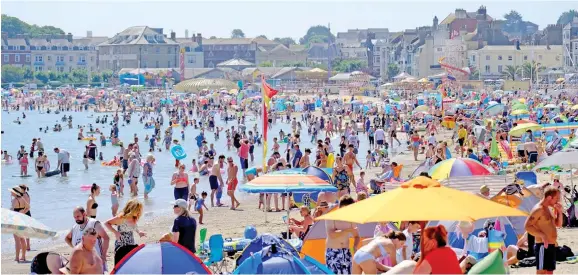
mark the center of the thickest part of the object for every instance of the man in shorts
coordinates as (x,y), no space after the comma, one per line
(542,224)
(63,161)
(232,182)
(216,181)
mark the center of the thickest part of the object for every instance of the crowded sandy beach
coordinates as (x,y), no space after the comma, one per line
(336,148)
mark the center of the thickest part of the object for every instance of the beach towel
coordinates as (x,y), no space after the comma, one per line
(477,247)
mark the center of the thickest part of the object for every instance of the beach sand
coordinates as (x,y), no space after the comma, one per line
(232,223)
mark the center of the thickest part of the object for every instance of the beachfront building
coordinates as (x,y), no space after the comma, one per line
(15,51)
(493,60)
(570,45)
(281,55)
(219,50)
(139,47)
(193,47)
(62,53)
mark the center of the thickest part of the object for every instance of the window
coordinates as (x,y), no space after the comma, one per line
(91,58)
(10,48)
(43,48)
(60,58)
(22,48)
(474,58)
(49,58)
(49,68)
(71,58)
(82,58)
(169,51)
(157,64)
(54,48)
(38,58)
(60,69)
(539,57)
(169,65)
(38,68)
(499,57)
(191,59)
(157,50)
(6,58)
(510,58)
(499,68)
(377,59)
(17,58)
(487,57)
(487,68)
(144,64)
(32,48)
(525,57)
(65,48)
(27,58)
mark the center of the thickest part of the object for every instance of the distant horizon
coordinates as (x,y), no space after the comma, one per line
(272,18)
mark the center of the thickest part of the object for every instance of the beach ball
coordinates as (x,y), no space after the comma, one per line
(250,232)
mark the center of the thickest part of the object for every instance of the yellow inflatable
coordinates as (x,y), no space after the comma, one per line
(176,125)
(89,138)
(330,160)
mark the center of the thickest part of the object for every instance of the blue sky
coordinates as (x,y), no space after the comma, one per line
(271,18)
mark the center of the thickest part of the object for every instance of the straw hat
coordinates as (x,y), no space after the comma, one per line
(16,190)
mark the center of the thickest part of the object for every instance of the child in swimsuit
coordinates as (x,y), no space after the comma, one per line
(199,206)
(113,199)
(24,164)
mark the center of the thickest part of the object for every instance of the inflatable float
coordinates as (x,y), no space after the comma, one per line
(330,160)
(149,127)
(52,173)
(449,122)
(114,162)
(89,138)
(506,149)
(491,264)
(85,187)
(175,125)
(178,152)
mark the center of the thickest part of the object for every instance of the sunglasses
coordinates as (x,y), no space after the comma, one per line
(175,206)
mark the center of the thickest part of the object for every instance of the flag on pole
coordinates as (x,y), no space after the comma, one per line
(267,94)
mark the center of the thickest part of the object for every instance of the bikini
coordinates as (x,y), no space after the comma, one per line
(94,206)
(362,256)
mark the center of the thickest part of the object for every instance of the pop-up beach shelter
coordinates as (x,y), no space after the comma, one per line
(160,258)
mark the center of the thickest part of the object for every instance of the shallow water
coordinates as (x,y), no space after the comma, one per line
(54,198)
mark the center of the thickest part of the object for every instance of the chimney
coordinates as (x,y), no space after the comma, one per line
(187,34)
(173,36)
(69,37)
(88,34)
(199,39)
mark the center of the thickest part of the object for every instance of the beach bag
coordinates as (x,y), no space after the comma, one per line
(563,252)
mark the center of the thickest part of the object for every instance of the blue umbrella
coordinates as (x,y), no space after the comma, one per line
(494,110)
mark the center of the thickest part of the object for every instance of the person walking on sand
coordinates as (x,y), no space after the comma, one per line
(542,224)
(216,180)
(232,182)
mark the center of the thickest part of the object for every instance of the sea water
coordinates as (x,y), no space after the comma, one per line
(53,199)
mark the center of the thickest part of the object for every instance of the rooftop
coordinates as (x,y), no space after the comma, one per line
(139,35)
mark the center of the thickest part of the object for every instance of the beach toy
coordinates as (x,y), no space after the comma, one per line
(250,232)
(175,125)
(330,160)
(178,152)
(52,173)
(251,171)
(458,167)
(89,138)
(150,127)
(491,264)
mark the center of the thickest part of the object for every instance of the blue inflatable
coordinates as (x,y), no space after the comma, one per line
(178,152)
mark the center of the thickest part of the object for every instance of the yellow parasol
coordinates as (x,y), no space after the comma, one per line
(575,107)
(422,199)
(522,128)
(519,112)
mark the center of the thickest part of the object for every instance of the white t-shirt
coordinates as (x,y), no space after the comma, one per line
(408,247)
(63,156)
(379,134)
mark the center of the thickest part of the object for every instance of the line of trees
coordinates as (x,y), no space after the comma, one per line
(526,70)
(13,74)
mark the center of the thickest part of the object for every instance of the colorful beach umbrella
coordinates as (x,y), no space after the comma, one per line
(287,183)
(575,107)
(494,110)
(519,112)
(458,167)
(519,106)
(160,258)
(436,202)
(24,226)
(522,128)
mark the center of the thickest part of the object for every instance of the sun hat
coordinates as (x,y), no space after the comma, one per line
(181,203)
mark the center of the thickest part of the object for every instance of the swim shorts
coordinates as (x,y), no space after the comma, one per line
(214,182)
(232,186)
(545,257)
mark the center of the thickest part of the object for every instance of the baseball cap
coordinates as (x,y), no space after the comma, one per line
(181,203)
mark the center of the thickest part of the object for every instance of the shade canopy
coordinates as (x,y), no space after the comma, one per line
(458,167)
(199,84)
(422,199)
(522,128)
(24,226)
(286,183)
(565,158)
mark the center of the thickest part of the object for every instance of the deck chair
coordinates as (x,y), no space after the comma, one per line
(216,261)
(202,239)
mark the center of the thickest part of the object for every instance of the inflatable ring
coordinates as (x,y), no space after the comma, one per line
(178,152)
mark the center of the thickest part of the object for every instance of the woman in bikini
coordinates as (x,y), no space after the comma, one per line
(91,204)
(180,180)
(365,259)
(40,165)
(19,205)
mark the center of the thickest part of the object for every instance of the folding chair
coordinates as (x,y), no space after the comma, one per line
(202,239)
(216,261)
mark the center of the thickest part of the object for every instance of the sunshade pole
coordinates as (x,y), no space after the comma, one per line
(288,213)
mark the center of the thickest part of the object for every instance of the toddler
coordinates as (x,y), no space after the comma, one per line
(199,206)
(113,199)
(360,184)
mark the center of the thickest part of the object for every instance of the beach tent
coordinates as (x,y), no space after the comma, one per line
(263,241)
(160,258)
(314,240)
(271,260)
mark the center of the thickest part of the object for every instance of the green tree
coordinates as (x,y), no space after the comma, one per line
(347,66)
(511,72)
(28,74)
(41,76)
(106,75)
(514,22)
(531,70)
(266,64)
(213,37)
(392,70)
(287,41)
(237,33)
(475,75)
(53,76)
(13,26)
(567,17)
(12,74)
(96,77)
(317,34)
(262,36)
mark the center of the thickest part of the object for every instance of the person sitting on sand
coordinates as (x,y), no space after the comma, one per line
(364,260)
(301,227)
(436,256)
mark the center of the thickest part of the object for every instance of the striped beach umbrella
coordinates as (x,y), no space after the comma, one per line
(287,183)
(458,167)
(24,226)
